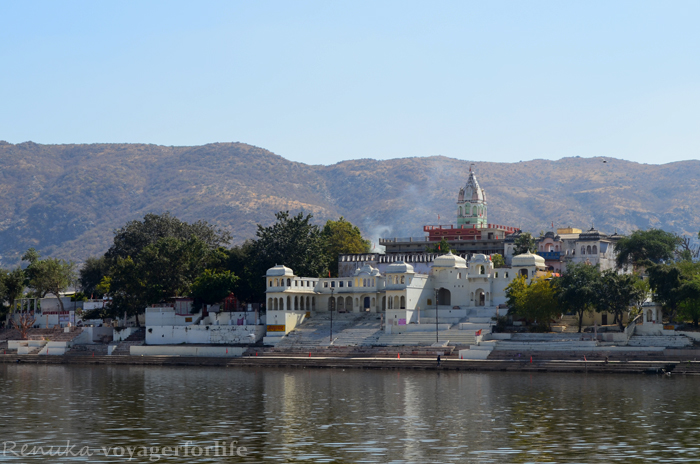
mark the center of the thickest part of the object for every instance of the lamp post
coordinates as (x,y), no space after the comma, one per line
(437,336)
(330,339)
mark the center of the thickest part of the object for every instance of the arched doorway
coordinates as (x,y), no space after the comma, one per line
(480,298)
(444,297)
(523,272)
(341,304)
(366,303)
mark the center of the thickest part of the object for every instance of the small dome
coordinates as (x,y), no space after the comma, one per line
(449,260)
(480,259)
(366,269)
(279,270)
(528,259)
(399,268)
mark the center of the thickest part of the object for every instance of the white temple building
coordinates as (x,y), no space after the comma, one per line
(454,289)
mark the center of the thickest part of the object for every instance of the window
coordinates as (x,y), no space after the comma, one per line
(325,284)
(583,250)
(333,284)
(430,301)
(349,283)
(270,282)
(403,280)
(296,283)
(594,250)
(340,284)
(289,282)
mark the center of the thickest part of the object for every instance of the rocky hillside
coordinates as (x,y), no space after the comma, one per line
(66,200)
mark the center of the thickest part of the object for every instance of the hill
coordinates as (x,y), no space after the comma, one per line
(66,200)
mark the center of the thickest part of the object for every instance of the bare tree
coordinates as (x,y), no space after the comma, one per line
(25,321)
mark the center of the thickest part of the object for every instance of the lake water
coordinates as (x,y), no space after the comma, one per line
(314,415)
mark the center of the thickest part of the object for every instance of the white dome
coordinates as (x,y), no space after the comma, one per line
(279,270)
(399,268)
(480,259)
(449,260)
(366,269)
(528,259)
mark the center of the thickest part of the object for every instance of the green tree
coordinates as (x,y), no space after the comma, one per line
(241,262)
(14,284)
(577,289)
(442,247)
(689,296)
(131,239)
(523,243)
(498,260)
(169,267)
(534,302)
(665,281)
(91,274)
(293,241)
(340,237)
(130,293)
(212,287)
(644,247)
(616,293)
(52,276)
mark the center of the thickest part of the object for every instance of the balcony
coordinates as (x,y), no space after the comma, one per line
(550,255)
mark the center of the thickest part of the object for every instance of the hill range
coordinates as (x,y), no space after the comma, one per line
(66,200)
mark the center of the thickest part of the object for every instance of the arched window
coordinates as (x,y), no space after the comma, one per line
(289,303)
(270,282)
(391,303)
(588,249)
(594,250)
(296,303)
(583,250)
(396,302)
(482,270)
(403,302)
(289,283)
(497,274)
(460,210)
(506,275)
(269,303)
(276,283)
(459,275)
(348,304)
(403,280)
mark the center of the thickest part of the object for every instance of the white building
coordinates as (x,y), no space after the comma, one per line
(454,288)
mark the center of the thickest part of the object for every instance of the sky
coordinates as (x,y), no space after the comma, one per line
(324,81)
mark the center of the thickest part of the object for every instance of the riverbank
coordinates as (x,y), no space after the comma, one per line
(570,366)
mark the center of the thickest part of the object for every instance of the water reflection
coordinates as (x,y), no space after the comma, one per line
(292,415)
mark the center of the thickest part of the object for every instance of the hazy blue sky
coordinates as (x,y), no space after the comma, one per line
(325,81)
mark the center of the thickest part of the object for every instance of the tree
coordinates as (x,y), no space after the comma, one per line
(340,237)
(498,260)
(689,296)
(577,289)
(523,243)
(92,273)
(168,267)
(292,241)
(534,302)
(52,276)
(23,322)
(616,293)
(14,286)
(665,280)
(644,247)
(131,239)
(212,287)
(130,294)
(241,262)
(442,247)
